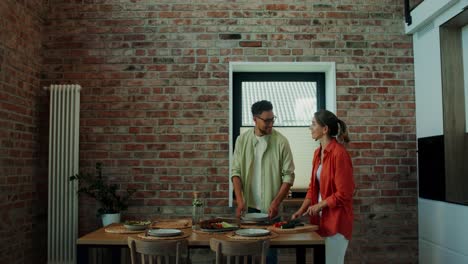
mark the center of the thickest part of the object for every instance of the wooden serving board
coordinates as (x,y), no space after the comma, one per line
(297,229)
(120,229)
(171,223)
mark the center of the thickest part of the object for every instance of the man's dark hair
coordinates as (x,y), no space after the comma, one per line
(261,106)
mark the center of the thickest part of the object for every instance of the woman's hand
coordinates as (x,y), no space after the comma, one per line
(298,214)
(295,215)
(317,208)
(314,209)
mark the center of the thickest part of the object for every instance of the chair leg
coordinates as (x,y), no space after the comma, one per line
(133,252)
(219,257)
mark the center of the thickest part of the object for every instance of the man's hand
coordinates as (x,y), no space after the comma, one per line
(240,208)
(237,184)
(273,210)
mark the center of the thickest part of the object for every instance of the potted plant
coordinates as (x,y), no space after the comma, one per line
(112,202)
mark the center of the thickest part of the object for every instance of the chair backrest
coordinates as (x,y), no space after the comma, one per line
(249,251)
(159,251)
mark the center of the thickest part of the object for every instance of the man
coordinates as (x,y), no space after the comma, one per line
(263,167)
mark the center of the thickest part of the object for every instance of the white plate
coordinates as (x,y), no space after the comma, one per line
(164,232)
(252,232)
(255,217)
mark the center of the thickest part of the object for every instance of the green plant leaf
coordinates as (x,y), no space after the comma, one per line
(105,193)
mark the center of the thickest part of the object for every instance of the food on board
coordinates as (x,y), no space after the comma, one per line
(139,223)
(215,223)
(287,224)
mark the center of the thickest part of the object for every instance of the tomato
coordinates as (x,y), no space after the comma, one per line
(279,224)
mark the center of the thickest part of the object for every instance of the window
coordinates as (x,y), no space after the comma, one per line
(296,92)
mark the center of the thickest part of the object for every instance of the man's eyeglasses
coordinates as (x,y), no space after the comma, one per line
(269,120)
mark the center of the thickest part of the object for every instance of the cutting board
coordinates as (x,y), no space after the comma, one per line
(297,229)
(171,223)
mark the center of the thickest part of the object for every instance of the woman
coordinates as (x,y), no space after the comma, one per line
(329,200)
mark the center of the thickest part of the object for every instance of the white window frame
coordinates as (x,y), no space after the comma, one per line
(325,67)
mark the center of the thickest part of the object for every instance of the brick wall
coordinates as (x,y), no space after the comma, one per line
(23,187)
(155,99)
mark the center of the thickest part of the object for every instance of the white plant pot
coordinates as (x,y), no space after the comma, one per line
(108,219)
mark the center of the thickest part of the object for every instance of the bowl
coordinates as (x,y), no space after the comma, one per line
(136,225)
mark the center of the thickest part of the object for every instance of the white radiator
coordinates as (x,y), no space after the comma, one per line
(62,223)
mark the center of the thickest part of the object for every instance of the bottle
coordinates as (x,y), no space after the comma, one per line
(197,210)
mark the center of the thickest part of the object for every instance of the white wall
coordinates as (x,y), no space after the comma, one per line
(443,230)
(465,70)
(428,80)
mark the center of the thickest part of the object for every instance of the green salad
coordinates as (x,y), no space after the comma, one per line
(137,223)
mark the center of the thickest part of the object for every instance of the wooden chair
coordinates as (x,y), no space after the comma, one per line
(249,251)
(158,252)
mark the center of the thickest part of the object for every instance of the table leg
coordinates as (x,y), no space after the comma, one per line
(301,255)
(115,254)
(319,254)
(106,253)
(82,254)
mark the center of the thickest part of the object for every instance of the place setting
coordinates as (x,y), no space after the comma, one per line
(128,227)
(252,227)
(257,220)
(171,223)
(292,226)
(163,234)
(252,234)
(215,225)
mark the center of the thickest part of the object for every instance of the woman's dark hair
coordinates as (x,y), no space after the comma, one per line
(336,126)
(261,106)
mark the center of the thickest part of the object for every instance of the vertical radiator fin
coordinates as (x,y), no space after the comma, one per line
(62,222)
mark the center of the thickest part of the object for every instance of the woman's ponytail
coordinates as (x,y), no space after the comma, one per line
(342,135)
(337,127)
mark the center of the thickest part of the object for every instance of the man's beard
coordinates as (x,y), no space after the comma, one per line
(263,132)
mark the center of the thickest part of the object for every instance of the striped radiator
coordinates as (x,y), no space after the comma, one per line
(62,223)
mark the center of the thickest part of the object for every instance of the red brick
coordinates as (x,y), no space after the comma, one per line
(169,155)
(277,7)
(168,94)
(218,14)
(251,44)
(170,178)
(169,194)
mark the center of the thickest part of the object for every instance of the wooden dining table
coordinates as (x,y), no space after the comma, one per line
(299,241)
